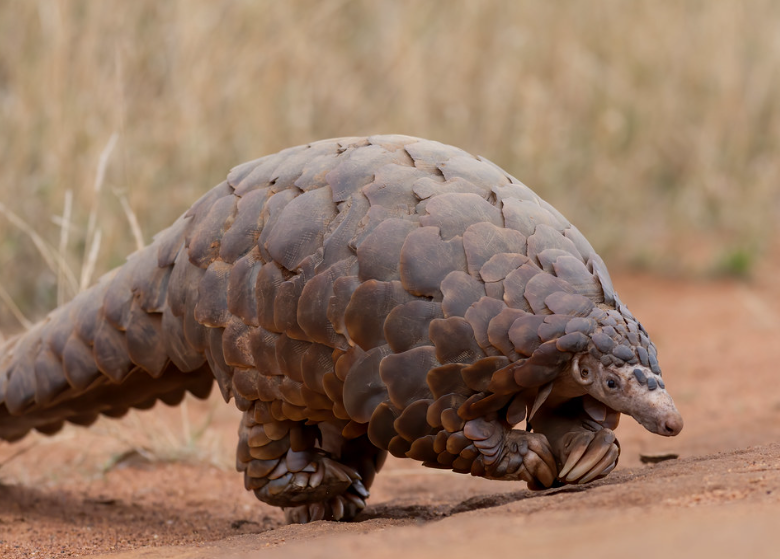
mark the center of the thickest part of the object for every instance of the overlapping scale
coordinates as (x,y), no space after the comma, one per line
(299,230)
(454,213)
(460,291)
(426,259)
(407,325)
(379,253)
(482,241)
(368,308)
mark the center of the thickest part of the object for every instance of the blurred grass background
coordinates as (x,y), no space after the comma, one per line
(653,126)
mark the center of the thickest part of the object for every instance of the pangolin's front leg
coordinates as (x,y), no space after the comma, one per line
(508,454)
(582,438)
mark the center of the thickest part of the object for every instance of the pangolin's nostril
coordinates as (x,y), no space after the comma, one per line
(673,425)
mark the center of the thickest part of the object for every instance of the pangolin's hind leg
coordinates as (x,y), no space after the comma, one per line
(357,456)
(311,471)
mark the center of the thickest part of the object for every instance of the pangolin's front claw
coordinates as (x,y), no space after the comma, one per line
(514,454)
(604,466)
(539,461)
(588,455)
(539,444)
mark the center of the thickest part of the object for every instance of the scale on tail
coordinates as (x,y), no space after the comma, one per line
(355,297)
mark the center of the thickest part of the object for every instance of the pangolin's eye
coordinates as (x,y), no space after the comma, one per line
(584,373)
(611,383)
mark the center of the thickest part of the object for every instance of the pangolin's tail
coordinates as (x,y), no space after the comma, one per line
(126,342)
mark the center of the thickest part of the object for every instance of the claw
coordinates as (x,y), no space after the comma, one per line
(337,472)
(340,471)
(316,478)
(278,471)
(317,511)
(297,515)
(580,447)
(539,469)
(608,469)
(300,480)
(277,486)
(609,459)
(541,446)
(297,461)
(360,489)
(351,472)
(337,508)
(602,442)
(355,501)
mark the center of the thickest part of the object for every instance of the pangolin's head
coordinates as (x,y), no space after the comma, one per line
(616,363)
(631,389)
(620,369)
(606,351)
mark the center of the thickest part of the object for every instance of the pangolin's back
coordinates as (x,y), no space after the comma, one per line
(300,277)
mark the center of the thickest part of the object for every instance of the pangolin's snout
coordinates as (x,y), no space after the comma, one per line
(671,425)
(655,411)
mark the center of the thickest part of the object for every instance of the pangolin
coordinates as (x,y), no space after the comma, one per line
(354,297)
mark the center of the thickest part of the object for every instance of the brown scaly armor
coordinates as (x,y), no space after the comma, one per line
(357,296)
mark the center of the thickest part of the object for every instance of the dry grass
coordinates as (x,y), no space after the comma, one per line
(654,126)
(194,432)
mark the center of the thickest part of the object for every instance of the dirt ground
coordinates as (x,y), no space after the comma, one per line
(151,485)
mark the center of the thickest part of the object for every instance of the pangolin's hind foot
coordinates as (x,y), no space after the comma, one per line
(308,485)
(312,486)
(310,471)
(344,505)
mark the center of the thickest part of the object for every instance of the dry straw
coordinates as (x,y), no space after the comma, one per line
(653,126)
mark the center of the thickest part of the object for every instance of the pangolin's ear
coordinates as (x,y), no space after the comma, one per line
(582,371)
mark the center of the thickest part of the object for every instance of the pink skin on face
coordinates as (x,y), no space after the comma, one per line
(630,389)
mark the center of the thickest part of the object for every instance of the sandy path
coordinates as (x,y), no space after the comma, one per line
(725,505)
